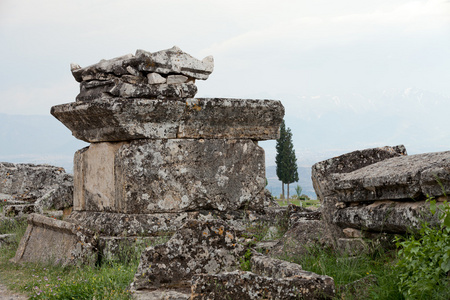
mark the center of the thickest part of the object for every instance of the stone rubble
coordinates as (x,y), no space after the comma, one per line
(162,163)
(379,190)
(166,74)
(28,188)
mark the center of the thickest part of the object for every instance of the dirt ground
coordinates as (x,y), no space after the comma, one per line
(5,294)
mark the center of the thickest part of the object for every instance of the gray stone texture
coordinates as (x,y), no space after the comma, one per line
(119,119)
(46,186)
(156,176)
(58,242)
(323,176)
(397,178)
(249,286)
(207,247)
(172,60)
(133,87)
(386,216)
(323,172)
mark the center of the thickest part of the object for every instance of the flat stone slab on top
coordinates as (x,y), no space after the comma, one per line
(397,178)
(118,119)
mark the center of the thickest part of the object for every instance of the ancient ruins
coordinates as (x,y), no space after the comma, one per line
(163,163)
(376,192)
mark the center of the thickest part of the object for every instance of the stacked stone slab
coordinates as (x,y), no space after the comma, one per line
(28,188)
(380,190)
(158,156)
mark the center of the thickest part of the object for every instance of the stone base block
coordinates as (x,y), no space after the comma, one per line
(50,240)
(159,176)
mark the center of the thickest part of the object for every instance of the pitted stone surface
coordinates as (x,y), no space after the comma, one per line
(172,60)
(118,119)
(59,242)
(405,177)
(154,176)
(386,216)
(248,286)
(197,248)
(47,186)
(323,172)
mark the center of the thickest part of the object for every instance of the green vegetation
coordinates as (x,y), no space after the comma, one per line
(424,261)
(419,269)
(108,281)
(285,159)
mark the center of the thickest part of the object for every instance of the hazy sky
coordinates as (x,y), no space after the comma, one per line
(280,49)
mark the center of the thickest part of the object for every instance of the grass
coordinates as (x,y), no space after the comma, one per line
(108,281)
(305,203)
(367,276)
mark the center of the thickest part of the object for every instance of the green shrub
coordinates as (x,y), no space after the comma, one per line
(424,261)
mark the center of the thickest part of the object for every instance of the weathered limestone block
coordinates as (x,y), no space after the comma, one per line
(30,183)
(386,216)
(154,176)
(323,178)
(352,246)
(134,88)
(323,172)
(303,236)
(172,60)
(197,248)
(19,210)
(50,240)
(276,268)
(396,178)
(248,286)
(117,119)
(160,224)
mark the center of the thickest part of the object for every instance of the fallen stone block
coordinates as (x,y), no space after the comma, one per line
(159,176)
(247,285)
(19,210)
(51,186)
(119,119)
(386,216)
(352,246)
(397,178)
(197,248)
(54,241)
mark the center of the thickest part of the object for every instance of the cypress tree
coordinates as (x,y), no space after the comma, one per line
(285,159)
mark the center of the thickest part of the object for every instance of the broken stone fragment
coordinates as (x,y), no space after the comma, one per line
(155,78)
(51,186)
(197,248)
(48,240)
(247,285)
(154,176)
(171,79)
(396,178)
(172,60)
(118,119)
(386,216)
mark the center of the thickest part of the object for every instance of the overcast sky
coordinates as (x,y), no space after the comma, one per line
(283,49)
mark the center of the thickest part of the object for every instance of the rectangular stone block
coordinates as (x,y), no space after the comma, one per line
(48,240)
(175,175)
(119,119)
